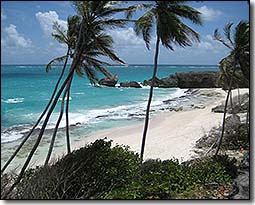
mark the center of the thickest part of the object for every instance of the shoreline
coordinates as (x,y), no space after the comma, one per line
(170,134)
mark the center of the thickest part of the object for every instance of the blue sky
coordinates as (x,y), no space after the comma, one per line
(26,28)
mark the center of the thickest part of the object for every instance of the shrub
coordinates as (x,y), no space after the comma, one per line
(98,171)
(166,179)
(85,173)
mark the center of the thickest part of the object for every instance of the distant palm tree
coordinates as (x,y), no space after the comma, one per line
(170,30)
(90,43)
(238,58)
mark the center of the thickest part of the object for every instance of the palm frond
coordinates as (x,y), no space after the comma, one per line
(59,34)
(113,23)
(186,12)
(132,9)
(91,74)
(227,32)
(143,26)
(218,37)
(55,60)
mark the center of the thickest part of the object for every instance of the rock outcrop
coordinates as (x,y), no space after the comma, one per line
(192,79)
(197,79)
(109,82)
(131,84)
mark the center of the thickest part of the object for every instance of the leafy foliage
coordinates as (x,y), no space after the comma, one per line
(85,173)
(98,171)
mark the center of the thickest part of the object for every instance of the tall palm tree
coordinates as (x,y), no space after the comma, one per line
(238,58)
(69,41)
(170,30)
(91,42)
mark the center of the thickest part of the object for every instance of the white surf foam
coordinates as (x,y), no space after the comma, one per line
(13,100)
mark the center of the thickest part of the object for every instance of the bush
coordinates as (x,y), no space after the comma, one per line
(85,173)
(166,179)
(98,171)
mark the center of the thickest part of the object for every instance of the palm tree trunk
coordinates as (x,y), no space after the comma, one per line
(74,64)
(247,119)
(68,144)
(56,127)
(239,100)
(146,123)
(231,101)
(225,113)
(78,49)
(39,119)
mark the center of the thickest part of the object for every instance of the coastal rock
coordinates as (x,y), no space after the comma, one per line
(157,82)
(197,79)
(110,82)
(132,84)
(169,82)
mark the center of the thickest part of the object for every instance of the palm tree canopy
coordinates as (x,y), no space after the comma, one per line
(167,16)
(94,17)
(238,42)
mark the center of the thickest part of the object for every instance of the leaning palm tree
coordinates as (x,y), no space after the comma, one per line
(170,30)
(69,39)
(91,42)
(238,58)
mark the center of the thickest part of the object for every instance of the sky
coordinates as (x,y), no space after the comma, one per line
(26,28)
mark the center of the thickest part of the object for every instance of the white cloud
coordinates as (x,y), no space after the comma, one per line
(46,20)
(12,39)
(3,16)
(126,37)
(209,14)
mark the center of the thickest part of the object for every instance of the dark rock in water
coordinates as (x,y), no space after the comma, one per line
(132,84)
(197,79)
(157,82)
(169,82)
(110,82)
(192,79)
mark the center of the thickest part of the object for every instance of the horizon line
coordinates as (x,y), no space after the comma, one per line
(124,65)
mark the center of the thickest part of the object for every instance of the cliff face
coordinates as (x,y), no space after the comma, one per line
(193,79)
(197,79)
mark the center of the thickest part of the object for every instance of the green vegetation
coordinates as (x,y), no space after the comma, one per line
(100,171)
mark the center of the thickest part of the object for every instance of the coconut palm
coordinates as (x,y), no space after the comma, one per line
(90,43)
(69,40)
(238,58)
(170,30)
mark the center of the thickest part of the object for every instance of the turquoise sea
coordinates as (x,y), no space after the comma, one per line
(26,89)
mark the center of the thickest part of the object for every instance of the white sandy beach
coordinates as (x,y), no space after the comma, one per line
(170,134)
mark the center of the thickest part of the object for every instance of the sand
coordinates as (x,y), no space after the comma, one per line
(170,134)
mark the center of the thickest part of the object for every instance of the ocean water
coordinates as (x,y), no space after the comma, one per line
(26,90)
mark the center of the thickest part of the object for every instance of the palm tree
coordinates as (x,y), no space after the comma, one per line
(170,30)
(63,38)
(90,42)
(238,43)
